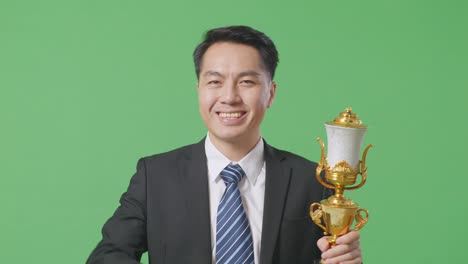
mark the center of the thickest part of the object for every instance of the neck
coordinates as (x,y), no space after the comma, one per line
(234,150)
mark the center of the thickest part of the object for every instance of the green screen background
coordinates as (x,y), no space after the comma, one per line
(88,87)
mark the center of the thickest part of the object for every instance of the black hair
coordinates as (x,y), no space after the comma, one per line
(241,35)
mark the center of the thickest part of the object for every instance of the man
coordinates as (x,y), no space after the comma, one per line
(230,198)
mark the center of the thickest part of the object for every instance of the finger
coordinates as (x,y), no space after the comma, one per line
(348,238)
(339,250)
(350,257)
(354,261)
(323,244)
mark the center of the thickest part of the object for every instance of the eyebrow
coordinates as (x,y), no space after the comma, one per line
(248,73)
(241,74)
(212,73)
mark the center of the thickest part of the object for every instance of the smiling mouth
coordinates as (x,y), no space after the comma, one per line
(231,115)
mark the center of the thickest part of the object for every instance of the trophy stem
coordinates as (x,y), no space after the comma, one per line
(338,199)
(332,240)
(339,191)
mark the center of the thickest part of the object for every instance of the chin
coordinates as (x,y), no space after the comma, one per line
(231,137)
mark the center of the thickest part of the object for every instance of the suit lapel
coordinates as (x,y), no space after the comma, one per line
(276,188)
(193,173)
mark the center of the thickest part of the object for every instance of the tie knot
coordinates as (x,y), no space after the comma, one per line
(232,174)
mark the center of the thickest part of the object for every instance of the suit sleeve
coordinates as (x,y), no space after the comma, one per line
(124,234)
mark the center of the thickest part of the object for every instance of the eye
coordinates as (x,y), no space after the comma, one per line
(214,82)
(247,82)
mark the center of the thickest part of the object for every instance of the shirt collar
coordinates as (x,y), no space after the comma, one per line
(251,163)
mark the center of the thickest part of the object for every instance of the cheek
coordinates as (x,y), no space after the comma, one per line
(206,101)
(259,104)
(264,99)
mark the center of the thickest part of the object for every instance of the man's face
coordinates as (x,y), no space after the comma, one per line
(234,91)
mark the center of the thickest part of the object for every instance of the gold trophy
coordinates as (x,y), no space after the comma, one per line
(342,166)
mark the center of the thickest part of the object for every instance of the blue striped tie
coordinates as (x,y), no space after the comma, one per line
(233,237)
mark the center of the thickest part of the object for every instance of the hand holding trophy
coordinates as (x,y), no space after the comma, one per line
(342,166)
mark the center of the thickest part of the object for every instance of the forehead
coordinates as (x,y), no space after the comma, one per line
(231,57)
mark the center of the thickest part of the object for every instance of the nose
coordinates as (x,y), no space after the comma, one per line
(230,93)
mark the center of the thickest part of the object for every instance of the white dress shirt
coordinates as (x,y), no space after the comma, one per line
(251,187)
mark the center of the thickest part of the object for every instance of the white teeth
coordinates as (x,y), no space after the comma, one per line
(230,115)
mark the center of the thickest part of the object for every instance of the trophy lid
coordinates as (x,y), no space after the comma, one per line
(347,119)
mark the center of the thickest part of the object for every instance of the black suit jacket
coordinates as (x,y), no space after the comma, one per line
(165,211)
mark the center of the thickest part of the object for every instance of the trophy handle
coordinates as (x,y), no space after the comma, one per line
(316,216)
(321,165)
(361,221)
(363,169)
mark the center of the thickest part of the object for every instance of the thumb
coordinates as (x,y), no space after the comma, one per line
(323,244)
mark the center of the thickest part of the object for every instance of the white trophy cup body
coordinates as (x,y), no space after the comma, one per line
(344,144)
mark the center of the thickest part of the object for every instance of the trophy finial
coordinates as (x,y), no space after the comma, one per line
(347,119)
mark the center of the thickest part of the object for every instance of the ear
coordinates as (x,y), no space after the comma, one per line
(272,94)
